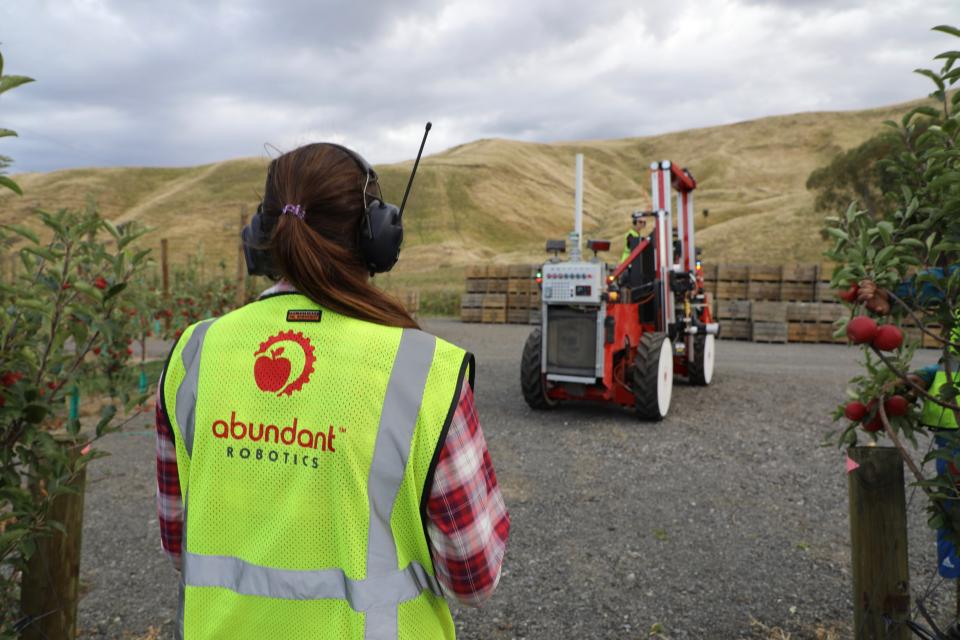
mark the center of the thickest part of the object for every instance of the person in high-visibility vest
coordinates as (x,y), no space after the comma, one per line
(942,422)
(636,233)
(322,472)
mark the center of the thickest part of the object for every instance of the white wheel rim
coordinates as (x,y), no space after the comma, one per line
(665,378)
(708,357)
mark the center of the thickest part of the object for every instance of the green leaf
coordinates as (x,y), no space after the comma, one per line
(10,184)
(6,133)
(11,537)
(23,231)
(924,110)
(838,234)
(43,252)
(114,290)
(9,82)
(106,415)
(944,28)
(34,413)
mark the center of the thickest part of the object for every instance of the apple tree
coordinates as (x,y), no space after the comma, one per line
(897,265)
(62,307)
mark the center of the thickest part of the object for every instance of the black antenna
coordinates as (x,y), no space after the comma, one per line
(416,163)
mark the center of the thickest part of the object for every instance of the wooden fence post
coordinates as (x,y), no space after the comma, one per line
(242,262)
(878,534)
(49,589)
(165,275)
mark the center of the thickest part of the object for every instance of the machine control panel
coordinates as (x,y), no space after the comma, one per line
(573,282)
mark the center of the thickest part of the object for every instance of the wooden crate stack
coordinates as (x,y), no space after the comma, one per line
(523,294)
(500,293)
(732,280)
(792,303)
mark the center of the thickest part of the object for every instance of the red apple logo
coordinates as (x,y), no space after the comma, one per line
(272,373)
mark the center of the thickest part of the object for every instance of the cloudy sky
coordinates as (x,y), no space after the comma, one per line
(184,82)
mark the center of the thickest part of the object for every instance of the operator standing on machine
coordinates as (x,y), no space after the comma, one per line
(638,232)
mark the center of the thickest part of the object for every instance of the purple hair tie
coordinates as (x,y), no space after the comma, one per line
(296,210)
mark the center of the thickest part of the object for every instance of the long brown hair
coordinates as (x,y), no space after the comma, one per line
(320,254)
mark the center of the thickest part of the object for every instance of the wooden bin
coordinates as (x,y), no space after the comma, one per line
(495,301)
(765,273)
(733,309)
(494,316)
(731,290)
(803,312)
(803,332)
(928,341)
(469,314)
(798,291)
(735,329)
(769,312)
(800,272)
(763,290)
(518,316)
(769,331)
(733,272)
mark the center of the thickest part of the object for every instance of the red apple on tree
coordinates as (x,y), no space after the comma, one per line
(887,338)
(855,411)
(273,372)
(896,406)
(861,329)
(850,295)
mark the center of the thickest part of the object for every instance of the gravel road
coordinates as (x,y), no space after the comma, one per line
(726,520)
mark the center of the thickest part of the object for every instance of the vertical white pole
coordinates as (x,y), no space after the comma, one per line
(578,207)
(681,227)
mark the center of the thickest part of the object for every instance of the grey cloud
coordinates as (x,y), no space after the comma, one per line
(183,82)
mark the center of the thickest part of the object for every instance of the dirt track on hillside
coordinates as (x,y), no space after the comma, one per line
(726,520)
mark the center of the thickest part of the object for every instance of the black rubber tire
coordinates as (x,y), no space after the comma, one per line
(643,374)
(696,370)
(532,382)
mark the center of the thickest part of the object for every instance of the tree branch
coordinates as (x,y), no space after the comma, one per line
(918,389)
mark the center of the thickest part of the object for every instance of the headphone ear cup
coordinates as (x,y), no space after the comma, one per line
(256,236)
(382,236)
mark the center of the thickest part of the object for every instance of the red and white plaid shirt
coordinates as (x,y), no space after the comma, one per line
(467,524)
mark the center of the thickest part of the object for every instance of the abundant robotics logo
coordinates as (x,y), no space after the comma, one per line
(272,372)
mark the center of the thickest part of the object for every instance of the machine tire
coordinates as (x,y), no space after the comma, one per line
(532,381)
(652,376)
(704,352)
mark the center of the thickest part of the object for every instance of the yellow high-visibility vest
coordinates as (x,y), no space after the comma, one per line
(933,415)
(306,442)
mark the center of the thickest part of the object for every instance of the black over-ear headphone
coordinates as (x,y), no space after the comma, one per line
(381,231)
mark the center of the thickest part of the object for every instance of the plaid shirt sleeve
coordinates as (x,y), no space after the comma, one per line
(467,521)
(169,501)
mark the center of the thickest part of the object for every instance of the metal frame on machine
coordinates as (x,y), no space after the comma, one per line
(663,176)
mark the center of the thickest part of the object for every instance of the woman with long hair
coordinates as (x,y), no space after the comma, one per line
(321,468)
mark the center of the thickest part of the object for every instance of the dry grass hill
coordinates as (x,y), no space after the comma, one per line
(499,200)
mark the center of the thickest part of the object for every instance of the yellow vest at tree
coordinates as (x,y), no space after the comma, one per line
(305,447)
(933,415)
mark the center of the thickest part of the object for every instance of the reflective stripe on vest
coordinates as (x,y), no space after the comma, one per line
(385,587)
(386,590)
(187,391)
(933,415)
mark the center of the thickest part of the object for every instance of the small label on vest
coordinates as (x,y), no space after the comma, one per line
(303,315)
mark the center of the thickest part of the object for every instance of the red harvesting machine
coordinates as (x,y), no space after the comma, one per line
(619,334)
